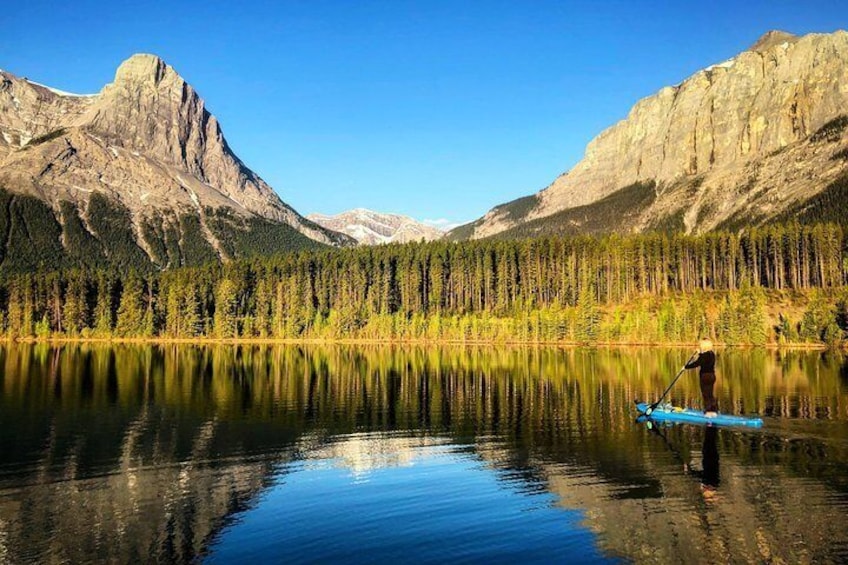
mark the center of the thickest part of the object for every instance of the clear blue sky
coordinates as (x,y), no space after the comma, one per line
(433,109)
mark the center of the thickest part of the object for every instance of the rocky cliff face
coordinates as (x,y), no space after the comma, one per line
(749,137)
(148,147)
(373,228)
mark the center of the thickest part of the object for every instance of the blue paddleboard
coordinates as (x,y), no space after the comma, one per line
(669,413)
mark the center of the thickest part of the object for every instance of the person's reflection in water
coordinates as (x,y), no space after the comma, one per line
(709,463)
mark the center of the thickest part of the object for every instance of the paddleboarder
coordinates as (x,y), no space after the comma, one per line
(706,362)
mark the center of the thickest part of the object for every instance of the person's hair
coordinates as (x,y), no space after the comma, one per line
(705,345)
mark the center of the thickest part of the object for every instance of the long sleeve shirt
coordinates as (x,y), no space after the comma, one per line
(706,361)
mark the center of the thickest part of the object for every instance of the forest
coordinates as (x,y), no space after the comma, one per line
(783,283)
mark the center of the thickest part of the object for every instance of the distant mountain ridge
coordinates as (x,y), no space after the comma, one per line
(758,137)
(137,174)
(373,228)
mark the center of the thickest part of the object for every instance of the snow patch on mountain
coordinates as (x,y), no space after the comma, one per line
(60,92)
(376,228)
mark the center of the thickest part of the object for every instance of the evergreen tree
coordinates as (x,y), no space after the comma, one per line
(752,316)
(588,316)
(225,323)
(103,314)
(131,313)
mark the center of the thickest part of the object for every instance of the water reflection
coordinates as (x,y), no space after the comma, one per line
(710,471)
(129,453)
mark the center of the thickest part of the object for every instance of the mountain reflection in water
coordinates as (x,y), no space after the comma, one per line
(179,453)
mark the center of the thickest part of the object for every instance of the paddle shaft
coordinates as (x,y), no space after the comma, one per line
(657,403)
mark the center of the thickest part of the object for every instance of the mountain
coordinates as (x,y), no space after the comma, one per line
(373,228)
(758,137)
(139,174)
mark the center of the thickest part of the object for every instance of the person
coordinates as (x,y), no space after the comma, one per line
(706,362)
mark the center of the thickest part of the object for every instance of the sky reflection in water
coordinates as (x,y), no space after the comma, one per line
(175,454)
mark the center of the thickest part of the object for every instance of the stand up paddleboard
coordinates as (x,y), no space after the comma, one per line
(669,413)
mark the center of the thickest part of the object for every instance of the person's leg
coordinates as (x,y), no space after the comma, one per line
(707,383)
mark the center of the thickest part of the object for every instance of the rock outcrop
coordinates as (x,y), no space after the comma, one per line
(373,228)
(745,139)
(148,146)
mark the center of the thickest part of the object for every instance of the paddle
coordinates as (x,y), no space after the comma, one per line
(657,403)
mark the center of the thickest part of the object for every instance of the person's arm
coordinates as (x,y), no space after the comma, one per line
(694,363)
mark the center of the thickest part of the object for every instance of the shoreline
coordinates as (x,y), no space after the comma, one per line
(63,340)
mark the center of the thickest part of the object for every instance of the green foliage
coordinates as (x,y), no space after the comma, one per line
(226,309)
(648,288)
(830,205)
(75,315)
(820,321)
(103,310)
(831,131)
(32,238)
(113,225)
(841,155)
(163,238)
(842,311)
(741,219)
(29,233)
(588,316)
(751,315)
(195,249)
(785,331)
(705,211)
(671,223)
(42,328)
(242,237)
(463,232)
(81,246)
(46,137)
(513,211)
(615,213)
(131,316)
(519,208)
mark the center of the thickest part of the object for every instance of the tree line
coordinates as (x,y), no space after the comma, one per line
(647,287)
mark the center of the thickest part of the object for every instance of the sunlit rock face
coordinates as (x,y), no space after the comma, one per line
(147,143)
(742,139)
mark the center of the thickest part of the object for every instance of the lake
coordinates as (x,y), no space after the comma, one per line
(256,454)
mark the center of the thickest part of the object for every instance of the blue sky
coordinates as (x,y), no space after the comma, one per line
(432,109)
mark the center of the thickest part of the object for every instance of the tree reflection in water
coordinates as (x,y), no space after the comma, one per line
(131,453)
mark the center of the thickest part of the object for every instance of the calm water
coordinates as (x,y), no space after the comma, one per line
(292,454)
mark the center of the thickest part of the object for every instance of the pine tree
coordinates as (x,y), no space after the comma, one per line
(752,316)
(103,307)
(588,316)
(75,308)
(225,323)
(131,314)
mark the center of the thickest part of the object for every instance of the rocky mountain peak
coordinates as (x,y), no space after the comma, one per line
(148,148)
(735,144)
(151,107)
(368,227)
(771,38)
(142,67)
